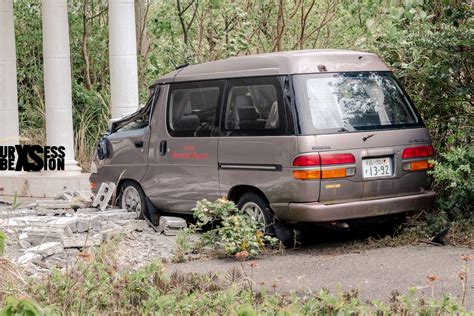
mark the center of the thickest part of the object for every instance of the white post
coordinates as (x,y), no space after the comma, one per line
(123,58)
(9,130)
(57,79)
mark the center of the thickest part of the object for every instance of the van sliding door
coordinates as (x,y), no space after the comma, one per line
(184,156)
(257,142)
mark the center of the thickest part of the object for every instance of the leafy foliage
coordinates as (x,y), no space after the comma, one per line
(231,230)
(20,306)
(453,173)
(427,43)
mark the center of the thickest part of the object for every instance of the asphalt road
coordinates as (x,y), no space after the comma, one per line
(375,273)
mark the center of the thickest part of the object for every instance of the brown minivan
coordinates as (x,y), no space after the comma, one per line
(300,136)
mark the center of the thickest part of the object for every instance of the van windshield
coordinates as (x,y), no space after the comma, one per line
(355,101)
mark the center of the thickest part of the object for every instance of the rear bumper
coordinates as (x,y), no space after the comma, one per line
(317,212)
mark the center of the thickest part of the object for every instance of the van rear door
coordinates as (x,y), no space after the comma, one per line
(360,124)
(377,170)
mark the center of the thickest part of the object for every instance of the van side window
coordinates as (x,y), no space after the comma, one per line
(193,108)
(255,106)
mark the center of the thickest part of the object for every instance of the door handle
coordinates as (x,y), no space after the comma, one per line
(163,147)
(138,144)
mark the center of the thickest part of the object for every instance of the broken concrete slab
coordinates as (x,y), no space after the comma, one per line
(28,220)
(70,222)
(171,225)
(52,203)
(89,223)
(132,224)
(28,258)
(24,244)
(85,196)
(53,211)
(40,234)
(46,249)
(15,213)
(82,241)
(87,210)
(66,194)
(117,214)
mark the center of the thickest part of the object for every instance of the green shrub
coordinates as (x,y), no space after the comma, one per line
(230,230)
(21,306)
(454,182)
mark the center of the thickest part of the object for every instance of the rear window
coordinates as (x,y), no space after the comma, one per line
(345,102)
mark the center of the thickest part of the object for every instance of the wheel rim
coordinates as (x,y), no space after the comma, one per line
(131,200)
(254,211)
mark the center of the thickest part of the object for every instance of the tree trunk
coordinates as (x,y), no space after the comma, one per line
(85,52)
(141,12)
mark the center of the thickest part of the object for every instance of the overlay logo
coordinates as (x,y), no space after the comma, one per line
(32,158)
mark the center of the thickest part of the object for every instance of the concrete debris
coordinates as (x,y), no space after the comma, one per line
(104,195)
(46,249)
(50,233)
(82,241)
(28,257)
(170,225)
(53,211)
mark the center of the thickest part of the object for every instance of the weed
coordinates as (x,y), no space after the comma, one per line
(183,246)
(463,275)
(96,286)
(3,237)
(231,231)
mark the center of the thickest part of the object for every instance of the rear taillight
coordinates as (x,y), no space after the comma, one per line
(306,161)
(419,151)
(93,186)
(417,165)
(307,174)
(337,159)
(318,160)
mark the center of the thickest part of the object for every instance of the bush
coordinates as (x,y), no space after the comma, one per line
(21,306)
(454,182)
(230,229)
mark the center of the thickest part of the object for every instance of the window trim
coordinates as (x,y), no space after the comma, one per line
(304,130)
(219,83)
(286,124)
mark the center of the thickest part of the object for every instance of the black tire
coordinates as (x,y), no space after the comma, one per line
(131,197)
(253,198)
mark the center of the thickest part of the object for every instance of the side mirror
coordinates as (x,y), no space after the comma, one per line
(102,148)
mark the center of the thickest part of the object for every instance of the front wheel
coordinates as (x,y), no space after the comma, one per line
(132,198)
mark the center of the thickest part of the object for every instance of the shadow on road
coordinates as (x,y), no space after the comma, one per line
(313,236)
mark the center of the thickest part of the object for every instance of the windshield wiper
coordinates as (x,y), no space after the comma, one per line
(342,129)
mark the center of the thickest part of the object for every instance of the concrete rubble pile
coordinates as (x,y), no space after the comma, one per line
(52,232)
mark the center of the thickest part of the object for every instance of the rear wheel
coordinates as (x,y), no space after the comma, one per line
(255,206)
(132,198)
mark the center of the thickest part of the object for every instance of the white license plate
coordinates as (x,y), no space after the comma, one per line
(377,167)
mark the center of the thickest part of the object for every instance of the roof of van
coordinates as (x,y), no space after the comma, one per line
(279,63)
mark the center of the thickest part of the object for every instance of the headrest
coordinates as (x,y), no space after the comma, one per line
(187,122)
(247,114)
(243,101)
(244,108)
